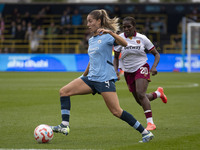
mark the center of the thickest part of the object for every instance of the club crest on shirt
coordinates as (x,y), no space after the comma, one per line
(99,41)
(138,41)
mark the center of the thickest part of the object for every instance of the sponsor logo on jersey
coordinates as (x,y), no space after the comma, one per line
(132,47)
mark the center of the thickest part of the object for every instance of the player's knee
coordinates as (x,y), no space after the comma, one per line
(140,95)
(64,92)
(61,92)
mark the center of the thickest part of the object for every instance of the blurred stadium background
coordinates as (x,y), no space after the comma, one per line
(59,27)
(38,38)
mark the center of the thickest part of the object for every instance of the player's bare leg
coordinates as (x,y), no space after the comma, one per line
(112,103)
(141,97)
(75,87)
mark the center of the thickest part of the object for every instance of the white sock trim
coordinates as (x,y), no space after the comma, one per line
(147,111)
(145,131)
(65,123)
(158,93)
(150,120)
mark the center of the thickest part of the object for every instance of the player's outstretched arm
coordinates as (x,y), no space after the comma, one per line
(119,40)
(116,63)
(156,61)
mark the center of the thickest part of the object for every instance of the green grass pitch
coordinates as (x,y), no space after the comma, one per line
(28,99)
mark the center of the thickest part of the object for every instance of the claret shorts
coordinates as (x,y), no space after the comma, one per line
(142,72)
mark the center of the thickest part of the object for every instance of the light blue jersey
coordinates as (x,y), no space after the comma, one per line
(100,53)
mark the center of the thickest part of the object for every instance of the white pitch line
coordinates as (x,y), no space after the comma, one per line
(182,86)
(175,85)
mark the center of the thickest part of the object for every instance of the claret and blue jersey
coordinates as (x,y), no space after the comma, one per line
(100,54)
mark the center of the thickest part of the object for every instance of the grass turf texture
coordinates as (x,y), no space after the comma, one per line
(30,99)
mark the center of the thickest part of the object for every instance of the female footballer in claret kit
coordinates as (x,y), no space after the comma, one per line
(133,62)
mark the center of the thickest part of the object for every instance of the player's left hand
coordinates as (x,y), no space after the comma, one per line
(118,76)
(102,31)
(153,71)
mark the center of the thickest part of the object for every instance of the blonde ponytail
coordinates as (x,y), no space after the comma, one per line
(106,21)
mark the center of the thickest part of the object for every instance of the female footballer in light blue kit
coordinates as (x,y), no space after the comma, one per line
(99,75)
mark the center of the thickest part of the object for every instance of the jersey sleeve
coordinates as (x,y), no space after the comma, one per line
(117,48)
(110,39)
(148,44)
